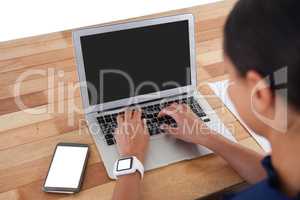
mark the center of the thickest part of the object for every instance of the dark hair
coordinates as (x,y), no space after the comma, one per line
(264,36)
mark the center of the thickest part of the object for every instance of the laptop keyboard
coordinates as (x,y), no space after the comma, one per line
(108,123)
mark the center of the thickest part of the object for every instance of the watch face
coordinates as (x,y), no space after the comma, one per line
(124,164)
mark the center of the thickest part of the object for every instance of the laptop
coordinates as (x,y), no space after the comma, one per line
(147,64)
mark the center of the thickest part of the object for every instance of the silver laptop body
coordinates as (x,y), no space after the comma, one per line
(163,150)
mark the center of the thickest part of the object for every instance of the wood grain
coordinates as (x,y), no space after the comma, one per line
(27,140)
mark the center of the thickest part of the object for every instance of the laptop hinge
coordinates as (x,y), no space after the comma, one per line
(143,102)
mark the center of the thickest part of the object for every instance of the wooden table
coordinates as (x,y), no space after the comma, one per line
(27,140)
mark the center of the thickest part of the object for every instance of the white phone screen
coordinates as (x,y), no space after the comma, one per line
(66,167)
(124,164)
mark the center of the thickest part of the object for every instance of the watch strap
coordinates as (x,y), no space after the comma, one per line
(138,166)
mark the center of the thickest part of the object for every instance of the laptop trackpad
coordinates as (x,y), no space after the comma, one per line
(166,150)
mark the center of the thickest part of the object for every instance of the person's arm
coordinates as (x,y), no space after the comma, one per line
(128,187)
(132,139)
(190,129)
(246,162)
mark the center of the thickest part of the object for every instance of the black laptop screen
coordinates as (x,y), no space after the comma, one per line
(136,61)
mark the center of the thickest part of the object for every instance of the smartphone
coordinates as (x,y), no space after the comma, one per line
(67,168)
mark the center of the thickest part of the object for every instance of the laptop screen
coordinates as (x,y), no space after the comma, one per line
(136,61)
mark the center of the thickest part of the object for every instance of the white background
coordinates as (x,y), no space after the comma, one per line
(23,18)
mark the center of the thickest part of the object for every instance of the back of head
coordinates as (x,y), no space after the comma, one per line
(264,35)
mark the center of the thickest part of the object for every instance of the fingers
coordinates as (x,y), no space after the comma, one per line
(144,123)
(130,121)
(171,111)
(128,114)
(185,107)
(166,111)
(133,113)
(137,114)
(120,119)
(144,126)
(180,108)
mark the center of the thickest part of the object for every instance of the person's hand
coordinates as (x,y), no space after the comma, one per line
(132,135)
(189,127)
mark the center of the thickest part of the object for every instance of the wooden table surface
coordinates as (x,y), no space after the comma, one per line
(27,140)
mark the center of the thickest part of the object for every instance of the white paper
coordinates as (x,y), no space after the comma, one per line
(220,89)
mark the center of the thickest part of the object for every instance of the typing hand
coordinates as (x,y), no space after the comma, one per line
(132,135)
(189,127)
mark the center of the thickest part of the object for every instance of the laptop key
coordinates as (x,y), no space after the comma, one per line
(110,142)
(154,131)
(206,120)
(109,136)
(201,114)
(106,131)
(108,119)
(161,119)
(149,116)
(101,120)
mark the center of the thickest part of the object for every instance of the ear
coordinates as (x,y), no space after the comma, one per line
(261,95)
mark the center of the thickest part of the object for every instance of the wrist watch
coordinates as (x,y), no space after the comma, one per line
(128,165)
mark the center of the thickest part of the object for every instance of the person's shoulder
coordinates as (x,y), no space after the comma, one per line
(266,189)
